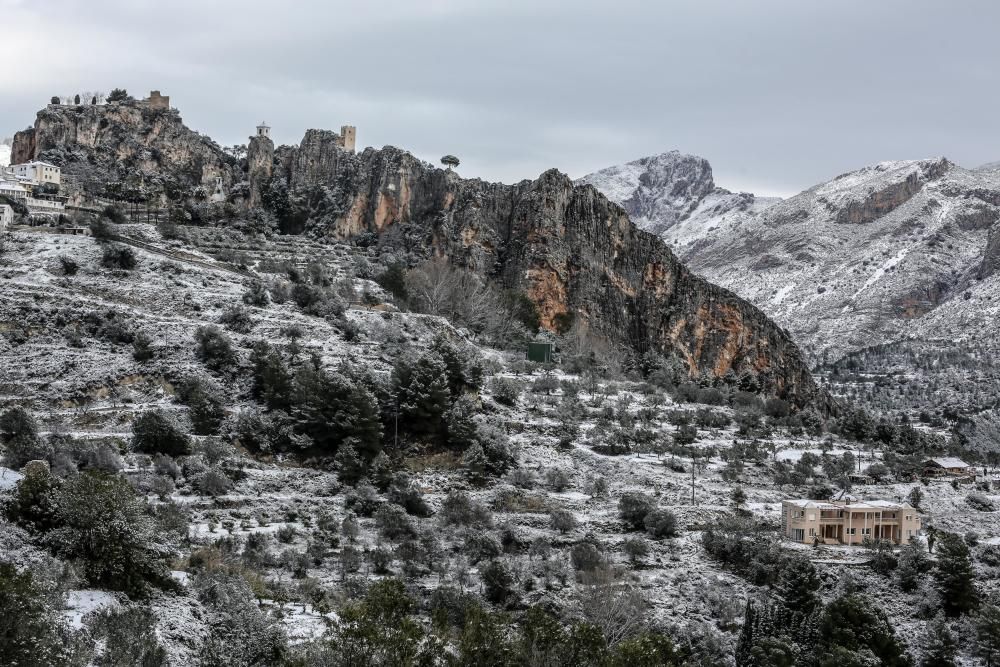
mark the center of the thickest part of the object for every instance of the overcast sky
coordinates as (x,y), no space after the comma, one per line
(777,94)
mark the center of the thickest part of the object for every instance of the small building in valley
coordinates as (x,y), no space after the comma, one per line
(846,520)
(947,465)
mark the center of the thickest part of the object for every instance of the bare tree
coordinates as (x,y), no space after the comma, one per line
(614,606)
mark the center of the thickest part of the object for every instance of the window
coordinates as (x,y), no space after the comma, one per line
(812,517)
(852,531)
(909,517)
(798,534)
(812,532)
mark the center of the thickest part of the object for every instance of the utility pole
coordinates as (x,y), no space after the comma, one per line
(692,478)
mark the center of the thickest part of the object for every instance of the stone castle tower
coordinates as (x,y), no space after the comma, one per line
(348,136)
(260,162)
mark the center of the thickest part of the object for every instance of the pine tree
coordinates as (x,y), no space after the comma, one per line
(461,427)
(798,584)
(914,564)
(987,627)
(745,643)
(422,392)
(955,575)
(939,645)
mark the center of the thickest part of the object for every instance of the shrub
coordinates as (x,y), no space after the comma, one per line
(118,257)
(256,295)
(635,549)
(68,266)
(459,509)
(980,502)
(142,347)
(213,483)
(236,318)
(633,508)
(498,582)
(586,557)
(661,523)
(506,391)
(154,432)
(103,525)
(562,520)
(393,523)
(214,348)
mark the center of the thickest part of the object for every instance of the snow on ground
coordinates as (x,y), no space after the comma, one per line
(9,478)
(82,602)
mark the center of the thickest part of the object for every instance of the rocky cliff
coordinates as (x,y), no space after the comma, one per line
(131,143)
(674,195)
(571,250)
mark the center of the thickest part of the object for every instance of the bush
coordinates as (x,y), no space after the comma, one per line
(498,582)
(118,257)
(635,549)
(393,523)
(506,391)
(214,348)
(236,318)
(562,520)
(633,508)
(142,347)
(980,502)
(31,630)
(586,557)
(205,404)
(459,509)
(154,432)
(256,295)
(661,523)
(213,483)
(68,266)
(104,526)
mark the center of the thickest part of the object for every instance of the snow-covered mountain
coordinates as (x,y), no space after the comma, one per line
(892,251)
(674,196)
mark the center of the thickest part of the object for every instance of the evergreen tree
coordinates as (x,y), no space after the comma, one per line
(154,432)
(987,627)
(34,503)
(461,427)
(852,626)
(745,643)
(422,392)
(331,409)
(272,381)
(103,525)
(31,631)
(914,564)
(798,585)
(939,645)
(955,576)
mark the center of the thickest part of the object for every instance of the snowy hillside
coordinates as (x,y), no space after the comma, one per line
(674,196)
(568,488)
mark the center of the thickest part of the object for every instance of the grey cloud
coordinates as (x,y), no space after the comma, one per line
(777,94)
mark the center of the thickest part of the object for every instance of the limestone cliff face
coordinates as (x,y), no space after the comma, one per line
(260,165)
(572,251)
(318,160)
(127,142)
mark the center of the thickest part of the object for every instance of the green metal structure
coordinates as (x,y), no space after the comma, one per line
(540,352)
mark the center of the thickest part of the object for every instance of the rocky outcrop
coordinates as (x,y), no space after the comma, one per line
(570,250)
(318,159)
(991,256)
(132,143)
(260,166)
(889,197)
